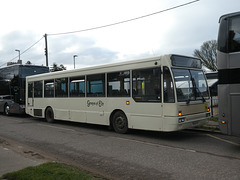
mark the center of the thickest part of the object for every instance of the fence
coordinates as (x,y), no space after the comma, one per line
(214,105)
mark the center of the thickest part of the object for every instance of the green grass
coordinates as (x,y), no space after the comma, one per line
(214,118)
(49,171)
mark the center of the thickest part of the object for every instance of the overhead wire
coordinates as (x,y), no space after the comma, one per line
(108,25)
(25,50)
(125,21)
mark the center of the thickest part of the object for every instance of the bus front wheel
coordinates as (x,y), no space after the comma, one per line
(49,115)
(120,122)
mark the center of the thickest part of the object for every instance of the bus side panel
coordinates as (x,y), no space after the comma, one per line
(223,106)
(77,108)
(78,116)
(146,122)
(69,109)
(235,124)
(234,60)
(146,116)
(95,111)
(62,114)
(222,60)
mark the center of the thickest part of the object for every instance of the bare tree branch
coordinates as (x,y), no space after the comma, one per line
(208,54)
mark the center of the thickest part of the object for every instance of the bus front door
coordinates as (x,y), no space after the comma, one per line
(30,100)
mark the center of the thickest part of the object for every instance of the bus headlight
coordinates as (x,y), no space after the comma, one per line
(181,120)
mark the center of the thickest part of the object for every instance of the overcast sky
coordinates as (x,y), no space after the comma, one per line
(177,31)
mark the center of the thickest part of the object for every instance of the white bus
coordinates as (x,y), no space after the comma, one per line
(165,93)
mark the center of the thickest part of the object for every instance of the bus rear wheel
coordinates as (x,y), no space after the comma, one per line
(49,115)
(120,122)
(6,110)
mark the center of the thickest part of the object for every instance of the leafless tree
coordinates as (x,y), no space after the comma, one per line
(208,54)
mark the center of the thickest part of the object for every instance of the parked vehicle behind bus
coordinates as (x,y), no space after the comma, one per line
(165,93)
(12,86)
(228,62)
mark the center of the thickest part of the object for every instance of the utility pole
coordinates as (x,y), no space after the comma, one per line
(74,56)
(46,49)
(18,53)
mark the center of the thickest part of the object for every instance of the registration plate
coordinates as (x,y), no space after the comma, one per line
(195,123)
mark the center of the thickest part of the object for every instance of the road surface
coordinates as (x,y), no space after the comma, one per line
(188,154)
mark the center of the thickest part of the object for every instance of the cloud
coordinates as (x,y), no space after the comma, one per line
(63,48)
(20,40)
(177,31)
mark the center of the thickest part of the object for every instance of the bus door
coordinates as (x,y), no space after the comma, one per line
(30,100)
(146,92)
(169,105)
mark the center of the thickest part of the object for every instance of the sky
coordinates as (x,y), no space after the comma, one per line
(177,31)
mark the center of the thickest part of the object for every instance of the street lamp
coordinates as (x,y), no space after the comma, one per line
(74,56)
(18,53)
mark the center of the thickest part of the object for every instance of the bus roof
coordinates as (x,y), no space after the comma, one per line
(228,15)
(22,65)
(153,60)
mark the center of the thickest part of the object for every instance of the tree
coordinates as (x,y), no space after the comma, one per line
(55,67)
(208,54)
(28,62)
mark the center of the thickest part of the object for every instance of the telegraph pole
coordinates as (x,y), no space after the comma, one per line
(46,49)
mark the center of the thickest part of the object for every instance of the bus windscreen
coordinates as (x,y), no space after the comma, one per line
(32,70)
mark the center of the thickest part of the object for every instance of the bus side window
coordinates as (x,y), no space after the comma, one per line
(77,86)
(96,85)
(49,88)
(61,87)
(234,35)
(119,84)
(38,89)
(146,85)
(168,86)
(30,89)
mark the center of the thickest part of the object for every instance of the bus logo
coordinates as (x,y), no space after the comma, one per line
(95,103)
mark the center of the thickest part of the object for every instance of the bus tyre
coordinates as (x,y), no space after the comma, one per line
(49,115)
(120,122)
(6,110)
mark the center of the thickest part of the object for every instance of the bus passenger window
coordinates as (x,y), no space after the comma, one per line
(119,84)
(146,85)
(96,85)
(77,86)
(168,88)
(38,89)
(49,88)
(61,87)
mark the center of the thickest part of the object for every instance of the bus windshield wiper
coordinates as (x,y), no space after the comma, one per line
(197,90)
(203,99)
(188,101)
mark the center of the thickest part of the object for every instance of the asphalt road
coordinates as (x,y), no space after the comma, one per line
(188,154)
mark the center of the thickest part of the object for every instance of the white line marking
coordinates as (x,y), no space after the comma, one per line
(67,129)
(158,145)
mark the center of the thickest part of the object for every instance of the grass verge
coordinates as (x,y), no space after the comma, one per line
(49,171)
(214,118)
